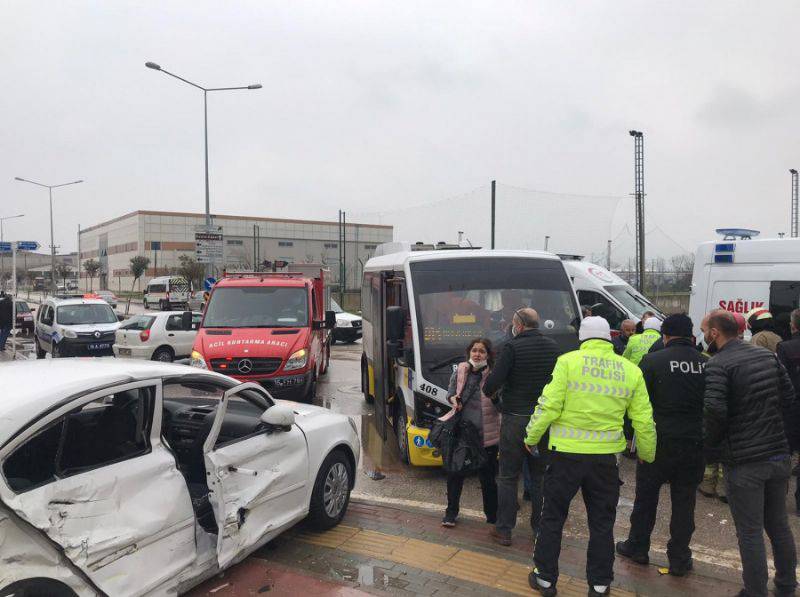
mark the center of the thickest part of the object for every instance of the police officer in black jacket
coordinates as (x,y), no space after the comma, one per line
(674,379)
(789,356)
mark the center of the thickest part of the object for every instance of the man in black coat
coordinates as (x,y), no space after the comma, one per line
(747,391)
(789,356)
(674,379)
(6,318)
(626,329)
(523,369)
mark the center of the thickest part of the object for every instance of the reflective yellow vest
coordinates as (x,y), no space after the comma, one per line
(639,344)
(584,404)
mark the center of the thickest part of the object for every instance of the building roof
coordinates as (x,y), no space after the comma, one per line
(227,217)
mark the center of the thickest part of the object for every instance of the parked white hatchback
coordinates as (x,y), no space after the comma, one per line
(156,336)
(135,477)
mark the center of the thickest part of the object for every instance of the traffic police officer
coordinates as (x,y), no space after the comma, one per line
(675,383)
(639,344)
(583,406)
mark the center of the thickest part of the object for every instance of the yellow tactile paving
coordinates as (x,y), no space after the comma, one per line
(378,545)
(423,555)
(463,564)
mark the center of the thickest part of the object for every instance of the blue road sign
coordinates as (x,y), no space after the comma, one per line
(5,247)
(27,245)
(209,283)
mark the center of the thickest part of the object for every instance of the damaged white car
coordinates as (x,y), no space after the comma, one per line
(132,478)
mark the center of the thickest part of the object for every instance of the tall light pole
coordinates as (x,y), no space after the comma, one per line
(50,188)
(205,91)
(638,166)
(794,221)
(3,255)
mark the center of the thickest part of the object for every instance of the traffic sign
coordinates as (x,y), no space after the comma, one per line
(208,283)
(27,245)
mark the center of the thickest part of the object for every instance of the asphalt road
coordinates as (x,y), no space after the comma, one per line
(714,540)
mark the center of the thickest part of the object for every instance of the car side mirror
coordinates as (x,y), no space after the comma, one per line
(278,416)
(186,321)
(330,320)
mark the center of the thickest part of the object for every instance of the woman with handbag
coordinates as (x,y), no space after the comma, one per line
(466,395)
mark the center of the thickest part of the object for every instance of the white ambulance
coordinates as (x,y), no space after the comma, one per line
(740,273)
(617,300)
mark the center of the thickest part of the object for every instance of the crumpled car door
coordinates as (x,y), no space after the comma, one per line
(258,483)
(129,524)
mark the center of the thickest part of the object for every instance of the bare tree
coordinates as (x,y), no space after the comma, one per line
(91,267)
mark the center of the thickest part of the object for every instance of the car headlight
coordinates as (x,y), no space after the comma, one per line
(68,333)
(198,360)
(298,360)
(343,323)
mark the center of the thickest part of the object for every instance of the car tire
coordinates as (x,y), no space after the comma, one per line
(399,423)
(55,352)
(368,398)
(163,354)
(327,360)
(37,587)
(164,306)
(311,393)
(40,353)
(331,493)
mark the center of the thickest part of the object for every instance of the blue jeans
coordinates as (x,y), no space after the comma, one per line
(4,333)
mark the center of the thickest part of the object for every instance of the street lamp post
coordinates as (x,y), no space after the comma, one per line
(205,91)
(50,188)
(3,255)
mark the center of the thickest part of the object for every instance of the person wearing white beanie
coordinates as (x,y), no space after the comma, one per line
(594,327)
(640,344)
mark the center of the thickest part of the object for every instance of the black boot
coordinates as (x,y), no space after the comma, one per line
(624,549)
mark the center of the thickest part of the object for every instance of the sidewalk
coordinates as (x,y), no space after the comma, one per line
(380,549)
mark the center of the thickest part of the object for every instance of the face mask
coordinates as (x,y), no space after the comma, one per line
(477,365)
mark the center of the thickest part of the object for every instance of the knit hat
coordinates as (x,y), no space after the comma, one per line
(652,323)
(740,321)
(757,314)
(594,327)
(679,325)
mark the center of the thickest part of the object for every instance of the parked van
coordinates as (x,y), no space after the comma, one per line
(421,304)
(268,328)
(613,298)
(167,293)
(741,274)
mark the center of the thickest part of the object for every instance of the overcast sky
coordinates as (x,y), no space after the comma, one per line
(371,105)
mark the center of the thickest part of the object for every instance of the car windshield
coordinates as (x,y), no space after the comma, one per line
(633,301)
(138,323)
(335,307)
(22,307)
(85,314)
(460,299)
(257,306)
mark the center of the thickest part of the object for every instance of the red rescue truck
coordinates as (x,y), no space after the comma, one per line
(268,328)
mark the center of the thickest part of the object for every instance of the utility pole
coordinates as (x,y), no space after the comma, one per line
(608,256)
(494,184)
(78,260)
(794,203)
(638,167)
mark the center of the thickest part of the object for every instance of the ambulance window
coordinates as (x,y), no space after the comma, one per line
(784,297)
(601,307)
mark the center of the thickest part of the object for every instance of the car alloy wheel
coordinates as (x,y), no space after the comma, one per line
(337,483)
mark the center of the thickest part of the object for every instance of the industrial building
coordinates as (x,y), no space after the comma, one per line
(164,236)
